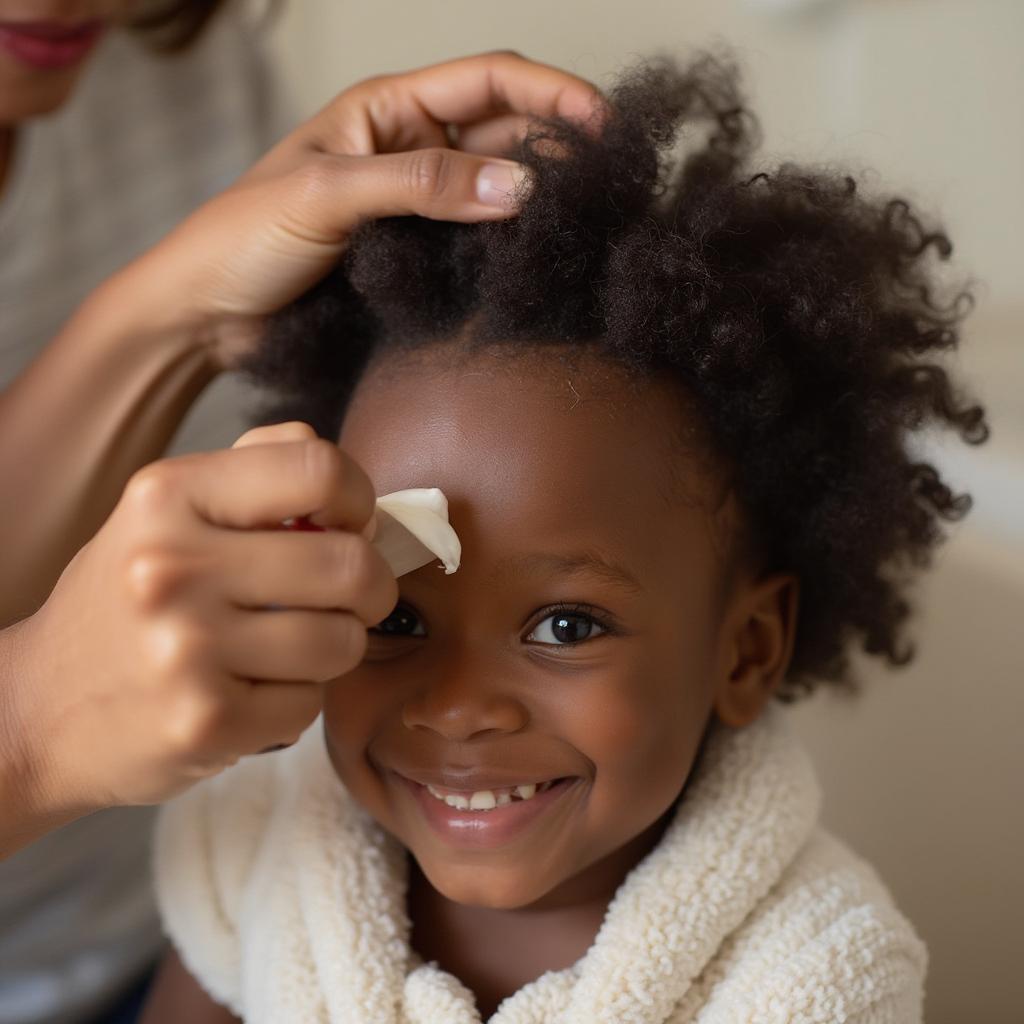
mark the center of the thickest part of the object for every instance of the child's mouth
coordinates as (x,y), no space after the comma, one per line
(486,817)
(488,799)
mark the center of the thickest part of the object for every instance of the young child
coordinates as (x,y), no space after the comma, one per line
(671,406)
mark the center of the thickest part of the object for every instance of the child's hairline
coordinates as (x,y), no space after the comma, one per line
(731,533)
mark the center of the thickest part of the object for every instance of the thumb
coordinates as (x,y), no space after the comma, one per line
(442,184)
(276,433)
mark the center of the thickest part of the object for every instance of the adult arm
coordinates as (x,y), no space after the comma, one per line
(108,393)
(104,398)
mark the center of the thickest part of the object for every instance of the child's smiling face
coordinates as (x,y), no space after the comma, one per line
(590,632)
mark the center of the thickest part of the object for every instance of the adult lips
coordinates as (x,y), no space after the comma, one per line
(48,45)
(53,29)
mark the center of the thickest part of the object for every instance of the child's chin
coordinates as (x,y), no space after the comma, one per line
(494,888)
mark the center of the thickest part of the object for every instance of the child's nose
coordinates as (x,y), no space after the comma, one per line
(461,704)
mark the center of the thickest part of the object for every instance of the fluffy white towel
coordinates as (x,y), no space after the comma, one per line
(287,903)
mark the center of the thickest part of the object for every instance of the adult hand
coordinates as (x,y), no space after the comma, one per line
(418,143)
(128,365)
(190,631)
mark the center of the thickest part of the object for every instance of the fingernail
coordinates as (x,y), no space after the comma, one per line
(499,184)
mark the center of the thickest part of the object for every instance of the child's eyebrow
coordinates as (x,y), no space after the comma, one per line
(573,564)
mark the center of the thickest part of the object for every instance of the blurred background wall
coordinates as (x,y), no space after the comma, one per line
(923,772)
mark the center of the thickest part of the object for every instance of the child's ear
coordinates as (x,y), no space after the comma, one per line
(757,644)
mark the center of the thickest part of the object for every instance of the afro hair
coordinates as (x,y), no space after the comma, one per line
(800,317)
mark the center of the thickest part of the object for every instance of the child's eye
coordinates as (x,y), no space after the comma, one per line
(403,621)
(566,627)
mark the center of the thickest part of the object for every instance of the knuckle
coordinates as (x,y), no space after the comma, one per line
(378,593)
(426,173)
(369,84)
(178,652)
(277,433)
(313,180)
(383,599)
(196,722)
(381,92)
(389,601)
(325,468)
(152,489)
(292,430)
(353,563)
(251,436)
(293,721)
(351,643)
(153,577)
(506,53)
(333,648)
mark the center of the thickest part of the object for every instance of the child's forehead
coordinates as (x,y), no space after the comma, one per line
(544,411)
(538,443)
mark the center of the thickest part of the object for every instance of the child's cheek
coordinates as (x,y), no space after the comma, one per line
(356,709)
(641,731)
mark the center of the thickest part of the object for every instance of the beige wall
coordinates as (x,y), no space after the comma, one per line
(923,773)
(927,92)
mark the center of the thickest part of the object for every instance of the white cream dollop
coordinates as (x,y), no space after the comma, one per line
(413,530)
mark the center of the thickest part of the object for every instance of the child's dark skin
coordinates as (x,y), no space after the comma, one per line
(587,510)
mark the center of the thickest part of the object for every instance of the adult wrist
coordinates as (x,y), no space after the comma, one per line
(141,308)
(31,801)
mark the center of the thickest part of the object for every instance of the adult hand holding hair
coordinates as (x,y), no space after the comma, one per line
(418,143)
(141,348)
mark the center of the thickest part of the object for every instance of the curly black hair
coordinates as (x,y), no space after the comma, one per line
(799,315)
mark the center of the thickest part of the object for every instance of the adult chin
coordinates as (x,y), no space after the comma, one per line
(23,101)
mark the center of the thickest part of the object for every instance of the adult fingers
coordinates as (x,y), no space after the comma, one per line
(467,90)
(330,570)
(312,646)
(456,92)
(334,195)
(275,433)
(293,430)
(272,714)
(494,135)
(258,486)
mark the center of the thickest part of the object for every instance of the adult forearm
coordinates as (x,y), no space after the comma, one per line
(29,808)
(103,399)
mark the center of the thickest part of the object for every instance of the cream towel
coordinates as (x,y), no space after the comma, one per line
(287,903)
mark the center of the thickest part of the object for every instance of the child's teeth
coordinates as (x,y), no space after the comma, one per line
(488,799)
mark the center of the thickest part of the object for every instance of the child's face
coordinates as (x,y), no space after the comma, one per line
(582,517)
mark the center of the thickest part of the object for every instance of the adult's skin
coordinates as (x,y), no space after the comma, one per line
(150,664)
